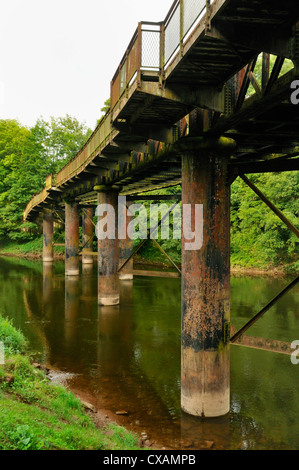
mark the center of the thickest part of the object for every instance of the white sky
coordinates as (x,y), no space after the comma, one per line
(59,56)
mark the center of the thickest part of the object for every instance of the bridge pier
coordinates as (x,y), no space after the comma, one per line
(206,287)
(125,246)
(108,247)
(87,235)
(48,223)
(71,239)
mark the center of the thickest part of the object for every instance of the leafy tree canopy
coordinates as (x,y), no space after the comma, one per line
(27,157)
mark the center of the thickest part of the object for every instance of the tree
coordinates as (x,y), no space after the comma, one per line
(27,157)
(22,174)
(106,106)
(60,139)
(259,237)
(104,110)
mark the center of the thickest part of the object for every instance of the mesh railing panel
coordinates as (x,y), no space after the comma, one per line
(150,49)
(192,10)
(172,34)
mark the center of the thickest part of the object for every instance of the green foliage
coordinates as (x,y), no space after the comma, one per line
(21,176)
(124,439)
(22,438)
(104,110)
(24,247)
(106,106)
(59,140)
(286,67)
(32,427)
(13,339)
(27,157)
(259,237)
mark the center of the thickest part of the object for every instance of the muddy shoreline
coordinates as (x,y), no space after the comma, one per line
(101,416)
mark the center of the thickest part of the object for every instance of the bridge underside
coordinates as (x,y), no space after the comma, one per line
(265,133)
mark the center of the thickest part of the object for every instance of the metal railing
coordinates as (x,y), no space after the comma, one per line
(179,23)
(49,182)
(98,139)
(143,53)
(154,45)
(35,201)
(127,68)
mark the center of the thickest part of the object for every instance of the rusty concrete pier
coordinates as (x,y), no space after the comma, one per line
(108,249)
(87,235)
(206,284)
(48,221)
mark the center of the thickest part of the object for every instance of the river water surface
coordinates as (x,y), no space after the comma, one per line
(127,358)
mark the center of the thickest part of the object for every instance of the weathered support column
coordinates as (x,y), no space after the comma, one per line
(125,246)
(206,283)
(108,248)
(71,239)
(48,222)
(87,235)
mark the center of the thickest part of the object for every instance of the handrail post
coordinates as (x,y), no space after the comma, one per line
(119,84)
(139,53)
(162,54)
(208,16)
(127,71)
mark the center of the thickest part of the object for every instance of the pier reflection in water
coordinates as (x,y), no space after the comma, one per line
(127,358)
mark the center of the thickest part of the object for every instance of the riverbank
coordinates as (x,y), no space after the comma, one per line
(29,250)
(36,414)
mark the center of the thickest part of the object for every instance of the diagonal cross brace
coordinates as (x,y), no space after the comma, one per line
(253,320)
(155,242)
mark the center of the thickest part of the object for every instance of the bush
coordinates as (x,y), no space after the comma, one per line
(14,341)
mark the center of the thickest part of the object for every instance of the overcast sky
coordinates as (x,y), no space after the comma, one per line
(58,57)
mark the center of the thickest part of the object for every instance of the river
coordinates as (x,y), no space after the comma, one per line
(127,358)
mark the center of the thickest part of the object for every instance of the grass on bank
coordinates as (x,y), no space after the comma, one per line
(36,415)
(34,247)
